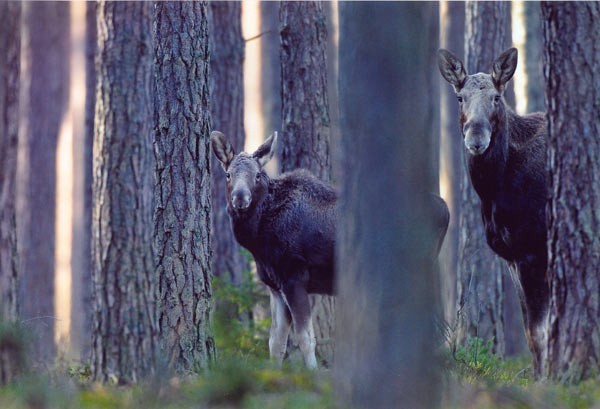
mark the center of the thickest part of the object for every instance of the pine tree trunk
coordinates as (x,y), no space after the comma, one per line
(534,57)
(385,340)
(182,217)
(10,63)
(82,293)
(270,67)
(305,121)
(44,101)
(480,272)
(227,115)
(572,70)
(124,328)
(451,160)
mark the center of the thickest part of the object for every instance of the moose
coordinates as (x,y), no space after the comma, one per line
(506,159)
(288,223)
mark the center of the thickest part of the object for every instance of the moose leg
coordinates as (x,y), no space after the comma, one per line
(281,322)
(296,298)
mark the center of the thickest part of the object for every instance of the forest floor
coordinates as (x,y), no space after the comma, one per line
(243,377)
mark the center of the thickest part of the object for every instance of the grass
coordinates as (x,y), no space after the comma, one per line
(244,377)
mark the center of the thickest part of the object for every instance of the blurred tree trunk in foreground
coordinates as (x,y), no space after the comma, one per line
(385,354)
(305,120)
(182,218)
(572,69)
(43,104)
(227,115)
(124,323)
(10,63)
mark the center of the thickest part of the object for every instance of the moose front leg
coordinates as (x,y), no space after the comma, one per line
(296,299)
(281,322)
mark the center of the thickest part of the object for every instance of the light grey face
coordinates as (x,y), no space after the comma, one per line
(480,103)
(243,174)
(479,96)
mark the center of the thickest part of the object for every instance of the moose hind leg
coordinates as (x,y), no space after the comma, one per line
(281,322)
(296,298)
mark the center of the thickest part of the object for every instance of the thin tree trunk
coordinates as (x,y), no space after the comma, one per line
(124,332)
(451,160)
(270,67)
(572,70)
(10,63)
(227,115)
(182,217)
(43,103)
(480,273)
(385,340)
(305,121)
(534,57)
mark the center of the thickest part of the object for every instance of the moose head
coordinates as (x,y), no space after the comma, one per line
(480,96)
(247,182)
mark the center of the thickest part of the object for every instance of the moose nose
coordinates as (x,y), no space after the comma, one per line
(240,200)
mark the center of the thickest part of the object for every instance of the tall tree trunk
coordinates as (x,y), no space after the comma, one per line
(124,328)
(182,216)
(270,67)
(385,340)
(44,100)
(480,272)
(227,115)
(82,291)
(534,57)
(572,70)
(452,37)
(10,63)
(305,121)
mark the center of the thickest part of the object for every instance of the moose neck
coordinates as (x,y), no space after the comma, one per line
(487,170)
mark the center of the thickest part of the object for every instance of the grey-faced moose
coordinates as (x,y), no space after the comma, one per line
(288,223)
(506,158)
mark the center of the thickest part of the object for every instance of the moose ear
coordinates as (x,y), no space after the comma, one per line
(265,152)
(452,69)
(222,148)
(504,67)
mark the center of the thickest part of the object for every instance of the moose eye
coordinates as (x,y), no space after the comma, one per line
(228,176)
(257,177)
(460,98)
(497,98)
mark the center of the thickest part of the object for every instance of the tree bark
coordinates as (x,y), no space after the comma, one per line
(305,121)
(534,57)
(43,103)
(270,66)
(480,281)
(385,340)
(451,161)
(572,71)
(227,115)
(182,217)
(10,63)
(124,334)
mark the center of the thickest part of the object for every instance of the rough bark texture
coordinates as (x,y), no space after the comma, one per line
(534,57)
(385,339)
(572,72)
(182,216)
(452,37)
(480,278)
(10,63)
(124,328)
(43,103)
(305,119)
(227,115)
(270,68)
